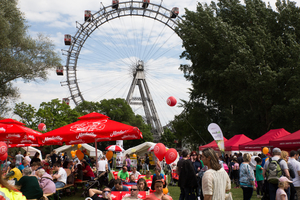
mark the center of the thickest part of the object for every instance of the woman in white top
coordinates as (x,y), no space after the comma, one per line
(215,181)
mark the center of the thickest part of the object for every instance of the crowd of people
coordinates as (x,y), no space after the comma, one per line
(207,176)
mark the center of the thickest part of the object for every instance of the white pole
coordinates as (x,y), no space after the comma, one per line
(96,155)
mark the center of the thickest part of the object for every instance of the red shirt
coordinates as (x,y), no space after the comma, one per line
(89,172)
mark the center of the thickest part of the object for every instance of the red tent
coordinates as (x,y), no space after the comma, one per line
(289,142)
(233,143)
(211,145)
(263,141)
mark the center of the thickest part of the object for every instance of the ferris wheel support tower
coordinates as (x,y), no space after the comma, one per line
(145,99)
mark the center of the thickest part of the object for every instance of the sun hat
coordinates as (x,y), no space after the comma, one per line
(284,179)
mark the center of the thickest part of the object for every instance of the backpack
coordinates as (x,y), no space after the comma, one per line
(274,171)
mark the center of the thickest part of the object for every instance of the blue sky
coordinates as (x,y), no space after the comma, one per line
(106,60)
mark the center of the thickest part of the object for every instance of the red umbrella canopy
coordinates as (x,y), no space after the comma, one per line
(114,148)
(90,128)
(15,133)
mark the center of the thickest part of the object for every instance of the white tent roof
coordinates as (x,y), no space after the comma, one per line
(140,149)
(69,148)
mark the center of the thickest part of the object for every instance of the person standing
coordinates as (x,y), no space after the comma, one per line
(35,158)
(19,158)
(253,162)
(283,166)
(259,177)
(146,162)
(235,172)
(247,178)
(296,165)
(128,162)
(215,181)
(102,166)
(53,157)
(187,177)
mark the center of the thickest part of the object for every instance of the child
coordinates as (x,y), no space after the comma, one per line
(235,170)
(284,183)
(259,177)
(148,175)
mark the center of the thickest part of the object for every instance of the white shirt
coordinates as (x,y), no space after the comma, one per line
(136,174)
(63,175)
(215,183)
(101,165)
(253,162)
(296,166)
(19,158)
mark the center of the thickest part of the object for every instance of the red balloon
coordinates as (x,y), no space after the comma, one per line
(171,156)
(3,157)
(42,126)
(3,148)
(160,151)
(171,101)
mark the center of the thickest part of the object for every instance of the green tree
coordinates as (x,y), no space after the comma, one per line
(168,138)
(21,57)
(27,113)
(56,114)
(245,64)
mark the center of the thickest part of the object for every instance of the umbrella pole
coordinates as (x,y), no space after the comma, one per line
(96,155)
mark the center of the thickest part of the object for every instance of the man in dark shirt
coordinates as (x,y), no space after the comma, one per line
(240,158)
(106,194)
(118,186)
(187,177)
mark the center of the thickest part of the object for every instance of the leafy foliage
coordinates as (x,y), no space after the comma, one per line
(21,57)
(245,66)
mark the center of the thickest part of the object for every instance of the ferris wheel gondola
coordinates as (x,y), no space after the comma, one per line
(115,4)
(68,39)
(87,16)
(145,3)
(175,12)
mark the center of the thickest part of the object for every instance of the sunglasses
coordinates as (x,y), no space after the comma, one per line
(133,189)
(106,191)
(194,155)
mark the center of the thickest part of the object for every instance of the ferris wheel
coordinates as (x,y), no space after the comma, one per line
(116,47)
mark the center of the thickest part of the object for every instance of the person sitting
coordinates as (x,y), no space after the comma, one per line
(131,180)
(88,173)
(24,164)
(123,174)
(29,185)
(158,194)
(148,175)
(135,173)
(142,185)
(13,173)
(61,175)
(134,191)
(154,178)
(34,166)
(118,186)
(105,194)
(79,173)
(46,182)
(9,192)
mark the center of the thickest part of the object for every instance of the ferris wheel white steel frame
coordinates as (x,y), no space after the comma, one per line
(105,14)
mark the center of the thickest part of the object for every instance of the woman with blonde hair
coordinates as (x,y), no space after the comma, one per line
(247,177)
(215,181)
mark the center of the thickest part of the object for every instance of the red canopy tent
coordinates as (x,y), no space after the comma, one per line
(289,142)
(233,143)
(263,141)
(210,145)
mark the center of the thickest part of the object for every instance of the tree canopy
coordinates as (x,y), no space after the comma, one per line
(21,57)
(245,66)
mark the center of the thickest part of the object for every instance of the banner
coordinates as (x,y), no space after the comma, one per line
(119,158)
(217,134)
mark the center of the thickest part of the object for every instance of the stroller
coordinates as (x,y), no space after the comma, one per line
(98,183)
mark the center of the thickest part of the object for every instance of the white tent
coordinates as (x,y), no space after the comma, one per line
(69,148)
(140,149)
(32,151)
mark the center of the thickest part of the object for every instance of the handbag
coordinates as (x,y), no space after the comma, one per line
(228,196)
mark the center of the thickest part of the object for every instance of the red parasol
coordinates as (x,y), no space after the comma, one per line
(114,148)
(16,133)
(151,148)
(93,127)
